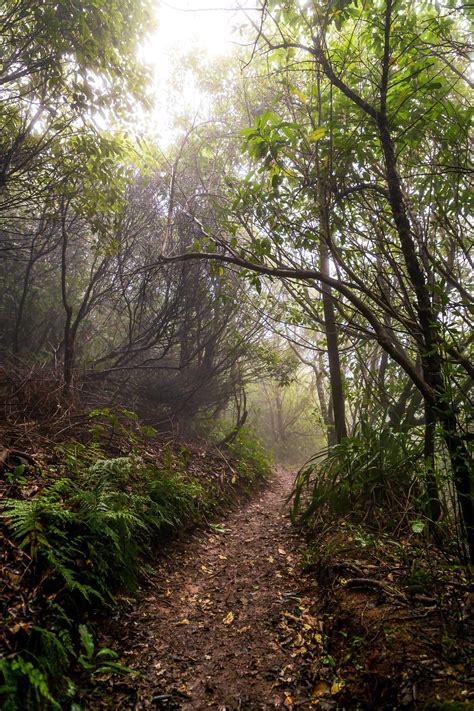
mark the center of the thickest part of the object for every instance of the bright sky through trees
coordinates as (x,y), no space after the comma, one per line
(204,24)
(186,28)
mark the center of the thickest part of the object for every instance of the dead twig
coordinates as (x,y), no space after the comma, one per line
(8,452)
(372,583)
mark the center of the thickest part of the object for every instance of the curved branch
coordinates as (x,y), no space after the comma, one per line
(381,333)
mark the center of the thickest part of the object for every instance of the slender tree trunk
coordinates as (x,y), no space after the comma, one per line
(326,411)
(21,306)
(69,348)
(242,414)
(324,406)
(335,373)
(24,293)
(434,504)
(68,363)
(279,416)
(461,464)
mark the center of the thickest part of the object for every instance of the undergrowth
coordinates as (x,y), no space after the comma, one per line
(375,477)
(79,536)
(254,461)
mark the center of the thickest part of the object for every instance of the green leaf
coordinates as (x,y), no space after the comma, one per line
(303,98)
(417,526)
(106,653)
(269,117)
(317,134)
(87,640)
(248,132)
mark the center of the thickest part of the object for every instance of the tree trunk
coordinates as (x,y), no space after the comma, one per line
(242,414)
(335,374)
(434,504)
(69,343)
(461,464)
(326,411)
(68,364)
(21,306)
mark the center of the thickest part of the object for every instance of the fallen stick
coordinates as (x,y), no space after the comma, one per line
(8,452)
(370,582)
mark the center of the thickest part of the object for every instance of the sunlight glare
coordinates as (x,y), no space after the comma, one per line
(204,29)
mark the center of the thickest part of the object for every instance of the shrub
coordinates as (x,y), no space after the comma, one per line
(373,476)
(253,460)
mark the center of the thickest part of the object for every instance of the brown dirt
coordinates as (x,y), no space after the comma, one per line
(206,634)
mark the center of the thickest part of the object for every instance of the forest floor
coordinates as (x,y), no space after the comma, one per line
(229,621)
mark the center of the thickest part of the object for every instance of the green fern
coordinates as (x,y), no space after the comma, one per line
(51,650)
(35,522)
(98,661)
(34,694)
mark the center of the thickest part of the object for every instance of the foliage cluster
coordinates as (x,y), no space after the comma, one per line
(375,477)
(357,196)
(254,461)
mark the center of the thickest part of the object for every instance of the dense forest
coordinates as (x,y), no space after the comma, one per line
(236,373)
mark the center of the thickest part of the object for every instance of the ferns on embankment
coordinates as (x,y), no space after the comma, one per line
(76,538)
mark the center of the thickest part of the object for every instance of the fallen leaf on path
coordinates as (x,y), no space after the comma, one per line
(299,650)
(321,688)
(336,687)
(183,622)
(229,618)
(219,528)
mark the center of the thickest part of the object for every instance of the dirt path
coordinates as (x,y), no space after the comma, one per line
(206,634)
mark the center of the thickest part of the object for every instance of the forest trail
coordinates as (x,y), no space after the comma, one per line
(205,636)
